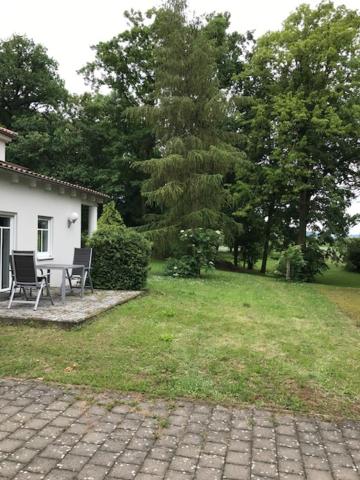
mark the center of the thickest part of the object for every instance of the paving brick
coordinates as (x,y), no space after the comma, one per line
(236,472)
(69,439)
(125,471)
(58,474)
(264,469)
(92,472)
(41,465)
(9,469)
(183,464)
(239,458)
(72,462)
(176,475)
(8,445)
(154,467)
(203,473)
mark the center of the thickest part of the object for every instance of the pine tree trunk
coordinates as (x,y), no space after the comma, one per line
(268,228)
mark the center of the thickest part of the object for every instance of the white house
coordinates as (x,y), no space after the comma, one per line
(40,213)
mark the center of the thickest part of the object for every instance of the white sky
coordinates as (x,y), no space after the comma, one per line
(69,27)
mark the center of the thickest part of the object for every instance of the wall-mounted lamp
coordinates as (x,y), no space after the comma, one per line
(72,219)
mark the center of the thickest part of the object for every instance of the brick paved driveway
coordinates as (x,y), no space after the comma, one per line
(48,432)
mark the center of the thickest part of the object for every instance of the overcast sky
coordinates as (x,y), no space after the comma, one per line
(69,27)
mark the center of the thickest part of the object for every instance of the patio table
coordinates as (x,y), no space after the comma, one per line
(64,268)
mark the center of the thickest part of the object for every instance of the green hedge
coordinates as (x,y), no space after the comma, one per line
(120,258)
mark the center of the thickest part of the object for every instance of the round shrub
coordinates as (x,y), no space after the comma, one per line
(120,259)
(298,265)
(198,252)
(352,255)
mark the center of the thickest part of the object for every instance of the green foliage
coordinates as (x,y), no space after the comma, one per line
(199,249)
(121,255)
(352,255)
(29,81)
(299,116)
(110,217)
(186,266)
(185,185)
(291,263)
(302,265)
(315,260)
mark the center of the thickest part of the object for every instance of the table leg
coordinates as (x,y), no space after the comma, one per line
(63,285)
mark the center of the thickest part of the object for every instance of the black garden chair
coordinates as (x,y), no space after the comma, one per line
(24,275)
(82,256)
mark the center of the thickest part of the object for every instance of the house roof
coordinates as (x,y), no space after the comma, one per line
(7,133)
(12,167)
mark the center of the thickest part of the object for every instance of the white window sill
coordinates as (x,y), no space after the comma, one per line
(41,259)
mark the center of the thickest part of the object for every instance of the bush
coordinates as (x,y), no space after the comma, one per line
(199,249)
(352,255)
(121,257)
(297,265)
(291,263)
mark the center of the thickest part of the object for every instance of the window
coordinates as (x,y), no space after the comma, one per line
(44,237)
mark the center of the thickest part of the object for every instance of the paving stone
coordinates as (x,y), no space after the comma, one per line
(203,473)
(8,445)
(125,471)
(236,472)
(58,474)
(70,439)
(154,467)
(72,462)
(133,456)
(346,474)
(9,469)
(183,464)
(23,455)
(161,453)
(264,469)
(41,465)
(92,472)
(318,475)
(176,475)
(238,458)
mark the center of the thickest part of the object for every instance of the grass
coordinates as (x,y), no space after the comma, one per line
(229,337)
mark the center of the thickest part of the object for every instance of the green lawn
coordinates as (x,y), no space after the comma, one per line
(229,337)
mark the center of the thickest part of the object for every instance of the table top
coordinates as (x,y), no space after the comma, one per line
(58,266)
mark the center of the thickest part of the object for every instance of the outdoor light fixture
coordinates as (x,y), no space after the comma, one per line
(72,219)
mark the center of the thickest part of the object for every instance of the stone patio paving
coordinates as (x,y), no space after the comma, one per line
(73,312)
(59,433)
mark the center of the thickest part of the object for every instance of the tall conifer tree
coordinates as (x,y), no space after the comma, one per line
(185,184)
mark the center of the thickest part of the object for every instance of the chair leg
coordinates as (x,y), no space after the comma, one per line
(49,292)
(39,294)
(91,282)
(12,295)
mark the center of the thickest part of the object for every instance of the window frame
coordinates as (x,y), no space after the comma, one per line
(41,255)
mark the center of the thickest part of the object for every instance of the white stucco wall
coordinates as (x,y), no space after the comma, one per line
(26,200)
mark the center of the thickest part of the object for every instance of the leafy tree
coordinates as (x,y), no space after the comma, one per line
(29,81)
(298,112)
(185,182)
(315,63)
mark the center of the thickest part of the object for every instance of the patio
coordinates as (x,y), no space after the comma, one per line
(73,312)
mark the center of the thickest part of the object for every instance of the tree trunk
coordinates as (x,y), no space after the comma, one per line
(304,202)
(236,252)
(267,237)
(288,270)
